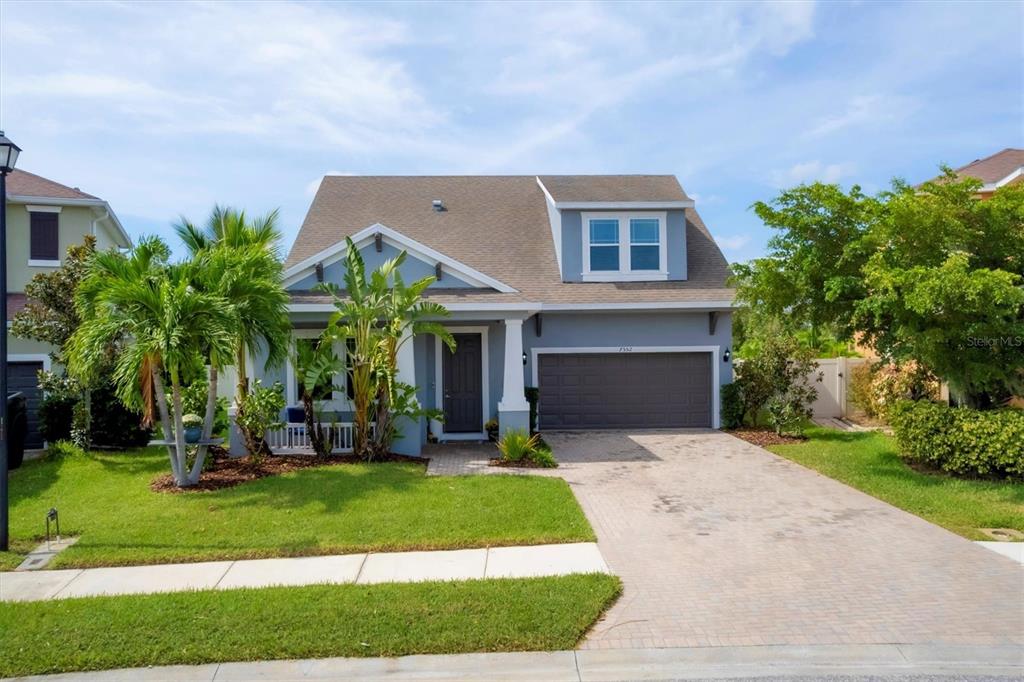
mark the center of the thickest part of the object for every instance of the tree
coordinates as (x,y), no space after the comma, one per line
(931,274)
(243,267)
(316,365)
(159,323)
(812,273)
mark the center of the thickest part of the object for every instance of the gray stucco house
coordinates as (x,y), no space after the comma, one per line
(606,292)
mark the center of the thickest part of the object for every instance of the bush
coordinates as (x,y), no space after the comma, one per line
(516,445)
(543,457)
(260,412)
(532,396)
(193,400)
(113,424)
(63,448)
(788,411)
(776,376)
(55,414)
(732,406)
(959,440)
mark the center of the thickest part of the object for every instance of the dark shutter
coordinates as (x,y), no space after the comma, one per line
(44,238)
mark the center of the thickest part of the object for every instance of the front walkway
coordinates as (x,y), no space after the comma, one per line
(364,569)
(721,543)
(780,662)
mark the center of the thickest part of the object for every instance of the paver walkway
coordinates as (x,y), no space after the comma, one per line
(465,564)
(720,542)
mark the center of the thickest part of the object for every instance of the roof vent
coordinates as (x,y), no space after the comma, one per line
(438,205)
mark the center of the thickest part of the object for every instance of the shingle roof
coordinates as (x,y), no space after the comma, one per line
(23,183)
(995,167)
(499,225)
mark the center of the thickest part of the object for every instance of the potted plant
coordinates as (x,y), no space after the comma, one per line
(491,427)
(193,425)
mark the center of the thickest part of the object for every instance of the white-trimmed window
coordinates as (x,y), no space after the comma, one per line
(340,398)
(623,247)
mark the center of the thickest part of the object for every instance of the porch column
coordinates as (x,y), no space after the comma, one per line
(407,441)
(513,410)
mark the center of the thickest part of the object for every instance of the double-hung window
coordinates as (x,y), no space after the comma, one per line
(623,247)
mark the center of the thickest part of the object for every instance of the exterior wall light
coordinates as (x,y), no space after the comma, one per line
(726,355)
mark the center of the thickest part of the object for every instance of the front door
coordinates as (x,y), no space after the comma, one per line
(463,385)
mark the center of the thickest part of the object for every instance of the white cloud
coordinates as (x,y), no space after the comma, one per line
(865,110)
(734,242)
(810,171)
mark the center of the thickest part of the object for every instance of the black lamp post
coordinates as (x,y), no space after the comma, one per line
(8,157)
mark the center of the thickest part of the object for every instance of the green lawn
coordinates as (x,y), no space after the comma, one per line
(99,633)
(105,498)
(868,462)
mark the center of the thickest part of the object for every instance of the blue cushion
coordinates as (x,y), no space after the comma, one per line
(296,415)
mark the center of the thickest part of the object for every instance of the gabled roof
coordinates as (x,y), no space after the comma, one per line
(24,184)
(499,226)
(997,169)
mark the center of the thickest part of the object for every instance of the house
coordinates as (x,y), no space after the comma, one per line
(44,218)
(999,169)
(607,293)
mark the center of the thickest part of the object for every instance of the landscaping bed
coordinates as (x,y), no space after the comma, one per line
(101,633)
(869,461)
(764,437)
(223,471)
(312,510)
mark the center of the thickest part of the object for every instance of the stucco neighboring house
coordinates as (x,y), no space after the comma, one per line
(606,292)
(44,218)
(998,170)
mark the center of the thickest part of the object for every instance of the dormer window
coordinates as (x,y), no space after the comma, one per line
(624,247)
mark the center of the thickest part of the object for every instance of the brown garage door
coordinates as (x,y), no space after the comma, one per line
(624,390)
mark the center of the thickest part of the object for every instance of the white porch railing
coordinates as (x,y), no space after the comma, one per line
(293,439)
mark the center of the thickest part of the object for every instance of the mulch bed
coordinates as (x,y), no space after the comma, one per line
(228,472)
(521,464)
(765,437)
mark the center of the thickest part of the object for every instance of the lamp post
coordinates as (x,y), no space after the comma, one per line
(8,157)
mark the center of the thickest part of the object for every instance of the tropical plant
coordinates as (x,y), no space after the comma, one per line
(316,365)
(516,445)
(158,322)
(375,317)
(260,412)
(243,266)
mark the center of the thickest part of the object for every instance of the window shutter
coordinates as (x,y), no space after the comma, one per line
(44,240)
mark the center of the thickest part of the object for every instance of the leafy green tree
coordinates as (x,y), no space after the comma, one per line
(316,365)
(812,274)
(158,322)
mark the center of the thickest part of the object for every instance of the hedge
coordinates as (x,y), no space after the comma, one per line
(959,440)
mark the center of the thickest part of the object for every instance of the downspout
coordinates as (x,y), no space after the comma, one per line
(106,215)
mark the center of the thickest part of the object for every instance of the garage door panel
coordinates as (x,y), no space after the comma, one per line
(23,377)
(625,390)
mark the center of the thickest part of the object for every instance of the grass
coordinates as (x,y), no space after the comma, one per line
(870,463)
(105,498)
(99,633)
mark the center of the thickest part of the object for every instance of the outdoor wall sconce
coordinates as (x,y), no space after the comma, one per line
(726,355)
(524,358)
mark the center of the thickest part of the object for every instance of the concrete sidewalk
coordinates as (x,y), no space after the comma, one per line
(466,564)
(871,660)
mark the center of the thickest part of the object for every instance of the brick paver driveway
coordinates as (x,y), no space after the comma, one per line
(719,542)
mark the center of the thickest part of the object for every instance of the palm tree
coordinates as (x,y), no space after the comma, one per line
(254,286)
(245,269)
(149,314)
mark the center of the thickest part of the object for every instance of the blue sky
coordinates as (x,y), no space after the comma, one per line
(164,109)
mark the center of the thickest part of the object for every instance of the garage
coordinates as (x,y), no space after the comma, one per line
(624,390)
(23,377)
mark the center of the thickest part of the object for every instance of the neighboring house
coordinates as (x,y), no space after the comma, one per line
(606,292)
(44,218)
(1000,169)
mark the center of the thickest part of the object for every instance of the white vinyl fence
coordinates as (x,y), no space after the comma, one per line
(293,439)
(834,386)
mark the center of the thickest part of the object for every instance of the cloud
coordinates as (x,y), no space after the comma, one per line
(734,242)
(810,171)
(865,110)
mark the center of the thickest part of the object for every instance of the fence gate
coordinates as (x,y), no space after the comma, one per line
(833,387)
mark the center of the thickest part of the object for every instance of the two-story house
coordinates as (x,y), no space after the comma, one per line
(607,293)
(44,218)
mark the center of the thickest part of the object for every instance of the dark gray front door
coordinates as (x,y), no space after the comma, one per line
(23,377)
(624,390)
(463,385)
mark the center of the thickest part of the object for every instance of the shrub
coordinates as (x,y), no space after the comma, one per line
(732,406)
(114,425)
(193,400)
(861,389)
(532,396)
(55,414)
(788,411)
(63,448)
(876,388)
(959,440)
(543,457)
(778,374)
(517,445)
(260,412)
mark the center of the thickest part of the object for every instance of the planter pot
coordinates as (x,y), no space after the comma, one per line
(193,434)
